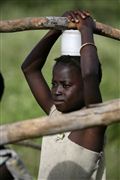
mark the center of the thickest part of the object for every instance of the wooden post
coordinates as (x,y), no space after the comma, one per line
(97,115)
(62,23)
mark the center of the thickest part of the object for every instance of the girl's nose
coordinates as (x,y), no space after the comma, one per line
(59,90)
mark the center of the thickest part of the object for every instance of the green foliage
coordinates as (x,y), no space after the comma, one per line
(19,104)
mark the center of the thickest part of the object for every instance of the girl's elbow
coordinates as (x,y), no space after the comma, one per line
(23,68)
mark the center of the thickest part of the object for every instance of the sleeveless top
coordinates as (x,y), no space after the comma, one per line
(62,159)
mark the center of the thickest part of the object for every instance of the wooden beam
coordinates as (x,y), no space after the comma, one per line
(99,114)
(37,23)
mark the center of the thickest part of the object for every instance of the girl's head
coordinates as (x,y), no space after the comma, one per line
(67,84)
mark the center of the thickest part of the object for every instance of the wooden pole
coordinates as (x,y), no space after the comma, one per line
(100,114)
(28,143)
(62,23)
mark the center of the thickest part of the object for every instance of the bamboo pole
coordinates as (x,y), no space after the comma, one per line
(36,23)
(102,114)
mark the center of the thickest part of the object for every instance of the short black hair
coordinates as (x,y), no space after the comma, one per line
(74,61)
(69,60)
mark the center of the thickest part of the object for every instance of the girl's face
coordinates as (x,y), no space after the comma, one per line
(67,88)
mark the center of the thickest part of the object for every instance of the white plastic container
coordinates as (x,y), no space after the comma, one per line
(70,43)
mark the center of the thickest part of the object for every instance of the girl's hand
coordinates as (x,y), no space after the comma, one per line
(81,18)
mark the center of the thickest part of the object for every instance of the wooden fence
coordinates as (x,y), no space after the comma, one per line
(37,23)
(100,114)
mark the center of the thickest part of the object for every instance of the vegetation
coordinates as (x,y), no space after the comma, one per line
(19,104)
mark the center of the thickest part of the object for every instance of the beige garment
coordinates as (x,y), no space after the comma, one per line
(62,159)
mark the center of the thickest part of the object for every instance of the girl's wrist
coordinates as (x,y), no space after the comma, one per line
(87,35)
(86,29)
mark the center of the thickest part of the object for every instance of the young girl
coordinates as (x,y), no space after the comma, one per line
(75,84)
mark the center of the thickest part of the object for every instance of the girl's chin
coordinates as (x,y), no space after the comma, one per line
(64,109)
(61,108)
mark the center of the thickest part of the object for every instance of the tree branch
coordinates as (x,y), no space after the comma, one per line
(50,22)
(28,143)
(103,114)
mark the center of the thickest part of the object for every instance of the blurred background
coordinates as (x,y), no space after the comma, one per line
(18,103)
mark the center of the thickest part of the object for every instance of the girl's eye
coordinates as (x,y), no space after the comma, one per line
(66,85)
(54,84)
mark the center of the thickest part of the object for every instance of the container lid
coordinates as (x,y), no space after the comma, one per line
(71,42)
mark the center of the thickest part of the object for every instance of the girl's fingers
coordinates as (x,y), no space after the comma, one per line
(75,16)
(86,13)
(82,14)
